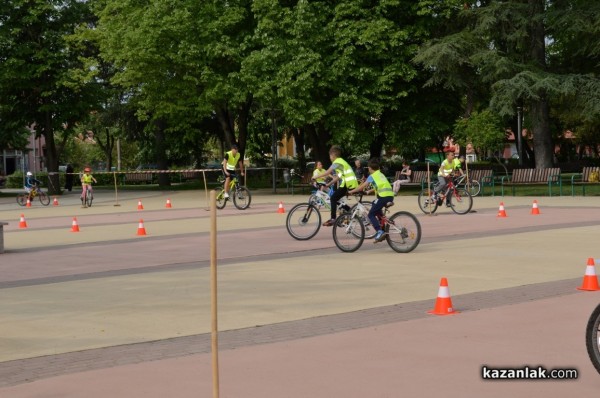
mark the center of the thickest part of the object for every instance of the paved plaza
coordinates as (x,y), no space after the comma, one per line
(106,313)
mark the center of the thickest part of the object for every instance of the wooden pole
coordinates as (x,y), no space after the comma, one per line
(213,289)
(208,206)
(429,186)
(116,190)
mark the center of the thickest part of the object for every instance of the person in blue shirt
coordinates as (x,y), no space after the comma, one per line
(31,184)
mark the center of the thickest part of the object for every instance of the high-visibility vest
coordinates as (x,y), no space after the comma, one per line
(347,176)
(232,161)
(447,168)
(316,173)
(382,186)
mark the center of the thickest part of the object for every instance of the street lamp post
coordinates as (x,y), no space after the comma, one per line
(274,151)
(519,135)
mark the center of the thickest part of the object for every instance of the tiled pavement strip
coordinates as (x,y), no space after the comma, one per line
(27,370)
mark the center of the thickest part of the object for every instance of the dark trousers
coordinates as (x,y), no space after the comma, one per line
(378,205)
(337,195)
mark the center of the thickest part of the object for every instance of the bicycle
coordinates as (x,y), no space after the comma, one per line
(240,194)
(304,220)
(592,338)
(472,186)
(402,229)
(88,197)
(460,200)
(35,191)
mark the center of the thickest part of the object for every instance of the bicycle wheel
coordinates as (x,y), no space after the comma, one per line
(22,200)
(348,233)
(426,204)
(303,221)
(473,187)
(461,201)
(242,198)
(89,197)
(403,232)
(592,338)
(221,199)
(369,230)
(44,199)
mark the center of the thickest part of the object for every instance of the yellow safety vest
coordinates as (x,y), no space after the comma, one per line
(447,168)
(347,176)
(232,161)
(87,179)
(316,173)
(382,186)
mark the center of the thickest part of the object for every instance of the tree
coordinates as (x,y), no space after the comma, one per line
(37,86)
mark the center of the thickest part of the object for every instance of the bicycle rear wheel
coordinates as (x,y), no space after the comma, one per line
(242,198)
(22,200)
(303,221)
(348,233)
(461,201)
(592,338)
(44,199)
(473,187)
(221,199)
(403,232)
(426,204)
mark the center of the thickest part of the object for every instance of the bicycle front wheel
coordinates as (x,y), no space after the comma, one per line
(44,199)
(89,197)
(348,233)
(592,338)
(242,198)
(221,199)
(426,204)
(403,232)
(22,200)
(473,187)
(303,221)
(461,201)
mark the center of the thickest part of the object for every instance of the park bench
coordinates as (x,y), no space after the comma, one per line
(303,182)
(583,179)
(138,178)
(485,178)
(546,176)
(417,178)
(2,224)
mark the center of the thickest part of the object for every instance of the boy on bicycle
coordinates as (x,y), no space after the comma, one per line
(231,160)
(31,185)
(86,183)
(384,191)
(447,171)
(342,171)
(320,183)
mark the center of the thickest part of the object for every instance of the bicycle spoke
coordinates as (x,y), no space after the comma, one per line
(403,232)
(461,201)
(303,221)
(348,233)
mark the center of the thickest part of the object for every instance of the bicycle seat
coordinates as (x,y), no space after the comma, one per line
(389,204)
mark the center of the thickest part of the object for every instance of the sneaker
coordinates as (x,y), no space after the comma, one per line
(379,236)
(448,205)
(226,195)
(329,223)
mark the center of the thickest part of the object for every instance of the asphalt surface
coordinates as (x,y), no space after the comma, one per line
(105,312)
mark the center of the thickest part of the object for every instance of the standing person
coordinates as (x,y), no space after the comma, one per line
(319,182)
(69,178)
(383,190)
(31,184)
(403,178)
(341,171)
(358,170)
(86,183)
(230,162)
(447,169)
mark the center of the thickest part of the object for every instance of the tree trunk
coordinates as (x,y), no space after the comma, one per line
(243,126)
(227,125)
(298,135)
(164,179)
(319,142)
(51,156)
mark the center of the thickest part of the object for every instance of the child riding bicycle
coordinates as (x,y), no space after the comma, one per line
(86,183)
(448,169)
(31,185)
(231,160)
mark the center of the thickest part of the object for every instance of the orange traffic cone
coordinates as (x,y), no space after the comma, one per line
(443,304)
(280,210)
(55,202)
(141,230)
(168,205)
(140,205)
(535,210)
(74,225)
(28,203)
(501,211)
(590,280)
(22,222)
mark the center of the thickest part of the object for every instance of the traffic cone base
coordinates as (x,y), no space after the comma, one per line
(28,203)
(590,279)
(55,202)
(535,210)
(22,222)
(443,303)
(280,210)
(501,211)
(168,205)
(74,225)
(141,230)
